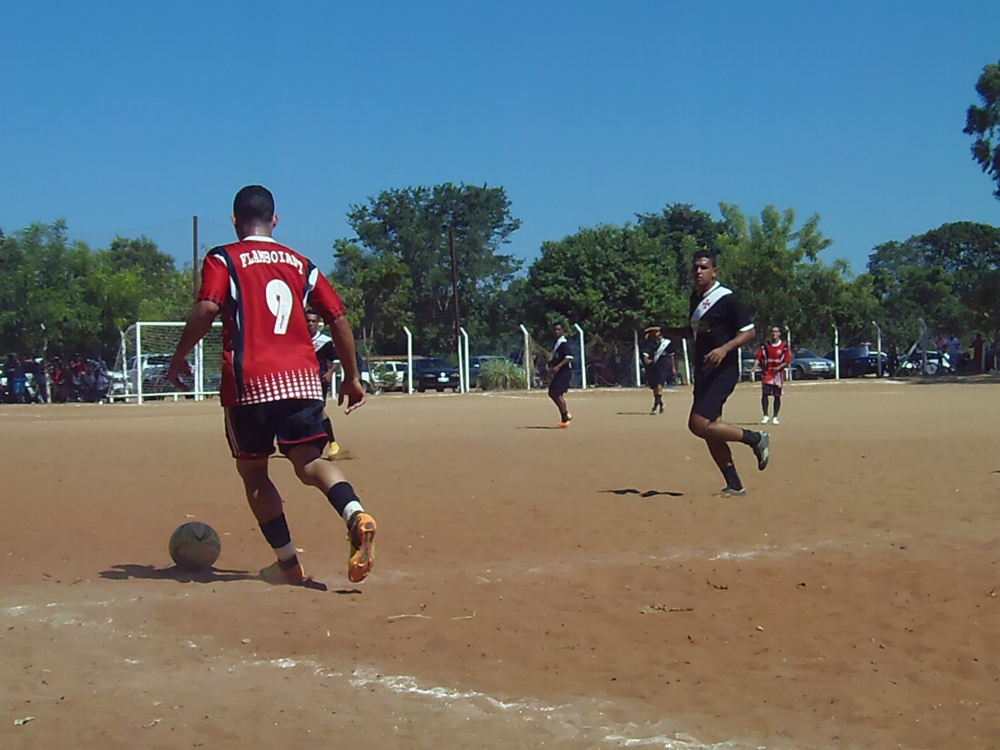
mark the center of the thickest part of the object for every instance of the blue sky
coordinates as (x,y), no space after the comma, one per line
(128,118)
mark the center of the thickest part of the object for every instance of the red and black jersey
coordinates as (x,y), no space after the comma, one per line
(264,289)
(773,356)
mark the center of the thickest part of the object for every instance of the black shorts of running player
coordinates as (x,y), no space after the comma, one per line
(251,429)
(560,381)
(770,389)
(327,385)
(711,389)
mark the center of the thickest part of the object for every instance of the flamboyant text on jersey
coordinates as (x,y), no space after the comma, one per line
(271,256)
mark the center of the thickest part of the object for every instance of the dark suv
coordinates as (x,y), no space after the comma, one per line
(856,362)
(435,373)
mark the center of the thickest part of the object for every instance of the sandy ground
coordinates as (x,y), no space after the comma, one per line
(534,587)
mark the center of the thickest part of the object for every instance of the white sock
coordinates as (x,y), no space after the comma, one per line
(350,509)
(285,553)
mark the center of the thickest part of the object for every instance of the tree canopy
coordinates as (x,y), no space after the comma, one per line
(60,298)
(408,231)
(983,123)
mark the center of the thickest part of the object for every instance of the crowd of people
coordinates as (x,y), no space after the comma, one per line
(37,381)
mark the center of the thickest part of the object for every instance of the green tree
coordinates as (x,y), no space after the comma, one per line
(62,298)
(613,280)
(764,261)
(829,296)
(946,277)
(413,225)
(141,255)
(43,280)
(983,122)
(679,230)
(376,289)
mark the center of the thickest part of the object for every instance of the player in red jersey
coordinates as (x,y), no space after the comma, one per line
(774,357)
(270,377)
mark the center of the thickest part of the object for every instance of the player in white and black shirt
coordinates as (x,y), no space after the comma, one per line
(326,358)
(719,325)
(561,367)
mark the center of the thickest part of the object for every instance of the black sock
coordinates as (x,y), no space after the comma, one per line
(750,438)
(777,405)
(340,495)
(277,535)
(328,428)
(732,478)
(564,415)
(276,532)
(763,405)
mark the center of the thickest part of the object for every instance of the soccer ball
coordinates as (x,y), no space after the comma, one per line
(194,546)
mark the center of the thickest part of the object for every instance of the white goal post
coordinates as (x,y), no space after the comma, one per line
(140,371)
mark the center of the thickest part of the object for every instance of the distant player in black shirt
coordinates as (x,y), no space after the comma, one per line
(657,357)
(719,325)
(561,367)
(326,357)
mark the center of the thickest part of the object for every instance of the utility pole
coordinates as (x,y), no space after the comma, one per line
(454,283)
(194,258)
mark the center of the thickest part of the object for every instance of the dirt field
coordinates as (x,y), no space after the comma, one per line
(534,587)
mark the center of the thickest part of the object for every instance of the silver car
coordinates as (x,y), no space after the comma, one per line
(808,366)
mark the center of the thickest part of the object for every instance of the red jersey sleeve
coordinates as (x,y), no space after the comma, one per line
(214,280)
(324,300)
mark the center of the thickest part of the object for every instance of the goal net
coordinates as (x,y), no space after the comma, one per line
(140,371)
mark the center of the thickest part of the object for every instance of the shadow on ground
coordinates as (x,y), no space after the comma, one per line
(647,493)
(991,379)
(175,573)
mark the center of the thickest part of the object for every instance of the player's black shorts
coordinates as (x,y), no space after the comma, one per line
(252,429)
(770,389)
(658,373)
(711,389)
(560,381)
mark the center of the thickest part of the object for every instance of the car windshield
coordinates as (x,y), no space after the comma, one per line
(432,364)
(806,354)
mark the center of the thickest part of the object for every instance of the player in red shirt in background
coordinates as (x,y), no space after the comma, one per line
(270,377)
(774,357)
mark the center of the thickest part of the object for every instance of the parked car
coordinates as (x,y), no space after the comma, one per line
(435,373)
(808,366)
(856,362)
(475,363)
(390,375)
(154,374)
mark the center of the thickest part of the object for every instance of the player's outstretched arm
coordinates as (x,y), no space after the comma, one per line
(684,332)
(199,323)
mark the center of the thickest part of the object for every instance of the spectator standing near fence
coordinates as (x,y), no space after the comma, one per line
(17,381)
(719,325)
(270,382)
(773,357)
(561,370)
(326,358)
(977,352)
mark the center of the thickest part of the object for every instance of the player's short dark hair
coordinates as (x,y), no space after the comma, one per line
(254,204)
(713,257)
